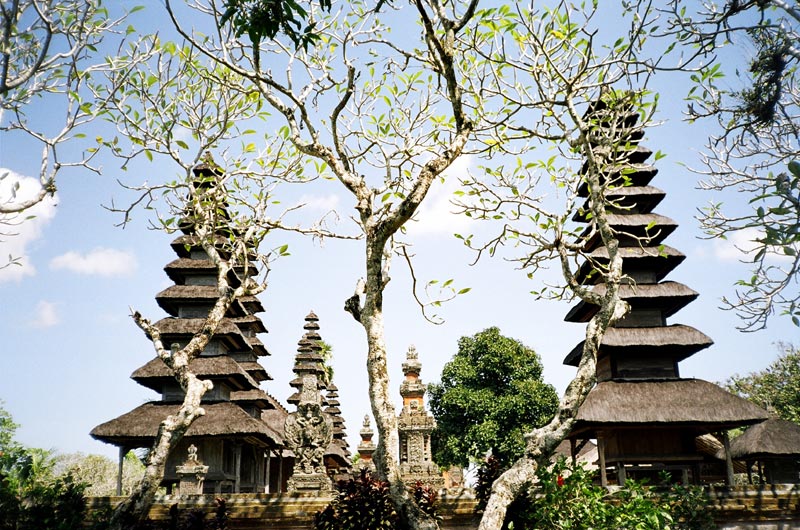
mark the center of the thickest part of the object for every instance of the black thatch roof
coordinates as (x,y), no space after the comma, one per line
(252,304)
(660,260)
(172,298)
(250,322)
(257,396)
(256,371)
(668,296)
(633,229)
(218,367)
(692,403)
(258,347)
(676,341)
(635,175)
(772,438)
(182,329)
(183,245)
(182,268)
(710,446)
(275,418)
(138,427)
(639,199)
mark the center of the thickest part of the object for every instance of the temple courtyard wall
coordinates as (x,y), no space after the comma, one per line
(736,508)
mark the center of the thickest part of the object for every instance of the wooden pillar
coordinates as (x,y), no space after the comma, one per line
(280,472)
(237,466)
(601,456)
(267,472)
(749,465)
(621,474)
(122,452)
(728,461)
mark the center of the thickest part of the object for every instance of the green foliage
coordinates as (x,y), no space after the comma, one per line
(777,386)
(566,498)
(261,19)
(31,496)
(364,503)
(491,393)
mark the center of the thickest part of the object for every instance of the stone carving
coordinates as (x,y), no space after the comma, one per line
(308,433)
(192,474)
(415,426)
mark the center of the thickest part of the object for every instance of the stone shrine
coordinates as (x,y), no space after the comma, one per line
(367,447)
(414,427)
(309,431)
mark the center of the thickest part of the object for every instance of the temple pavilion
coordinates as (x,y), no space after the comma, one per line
(232,439)
(645,417)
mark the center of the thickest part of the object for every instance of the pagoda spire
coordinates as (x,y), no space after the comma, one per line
(644,416)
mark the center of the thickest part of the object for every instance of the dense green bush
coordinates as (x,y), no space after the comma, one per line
(566,498)
(363,503)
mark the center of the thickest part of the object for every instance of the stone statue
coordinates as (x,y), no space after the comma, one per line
(308,432)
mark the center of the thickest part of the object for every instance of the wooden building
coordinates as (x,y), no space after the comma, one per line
(643,414)
(774,448)
(242,450)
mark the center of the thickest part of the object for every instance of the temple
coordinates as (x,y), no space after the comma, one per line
(315,432)
(645,417)
(231,439)
(414,427)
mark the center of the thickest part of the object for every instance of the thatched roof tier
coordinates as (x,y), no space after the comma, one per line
(173,298)
(683,403)
(251,323)
(337,453)
(637,154)
(635,229)
(183,245)
(182,268)
(708,445)
(275,418)
(256,371)
(257,396)
(634,175)
(252,304)
(668,296)
(182,329)
(257,346)
(660,261)
(633,199)
(216,368)
(138,427)
(676,341)
(774,438)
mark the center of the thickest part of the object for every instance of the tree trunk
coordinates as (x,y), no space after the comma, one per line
(136,507)
(386,458)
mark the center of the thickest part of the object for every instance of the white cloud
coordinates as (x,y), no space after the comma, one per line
(437,214)
(107,262)
(46,315)
(324,203)
(737,246)
(18,232)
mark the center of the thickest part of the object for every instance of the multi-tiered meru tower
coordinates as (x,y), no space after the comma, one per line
(231,438)
(644,415)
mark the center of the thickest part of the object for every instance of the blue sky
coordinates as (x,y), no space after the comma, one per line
(69,346)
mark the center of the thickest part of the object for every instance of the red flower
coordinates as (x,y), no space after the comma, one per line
(560,481)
